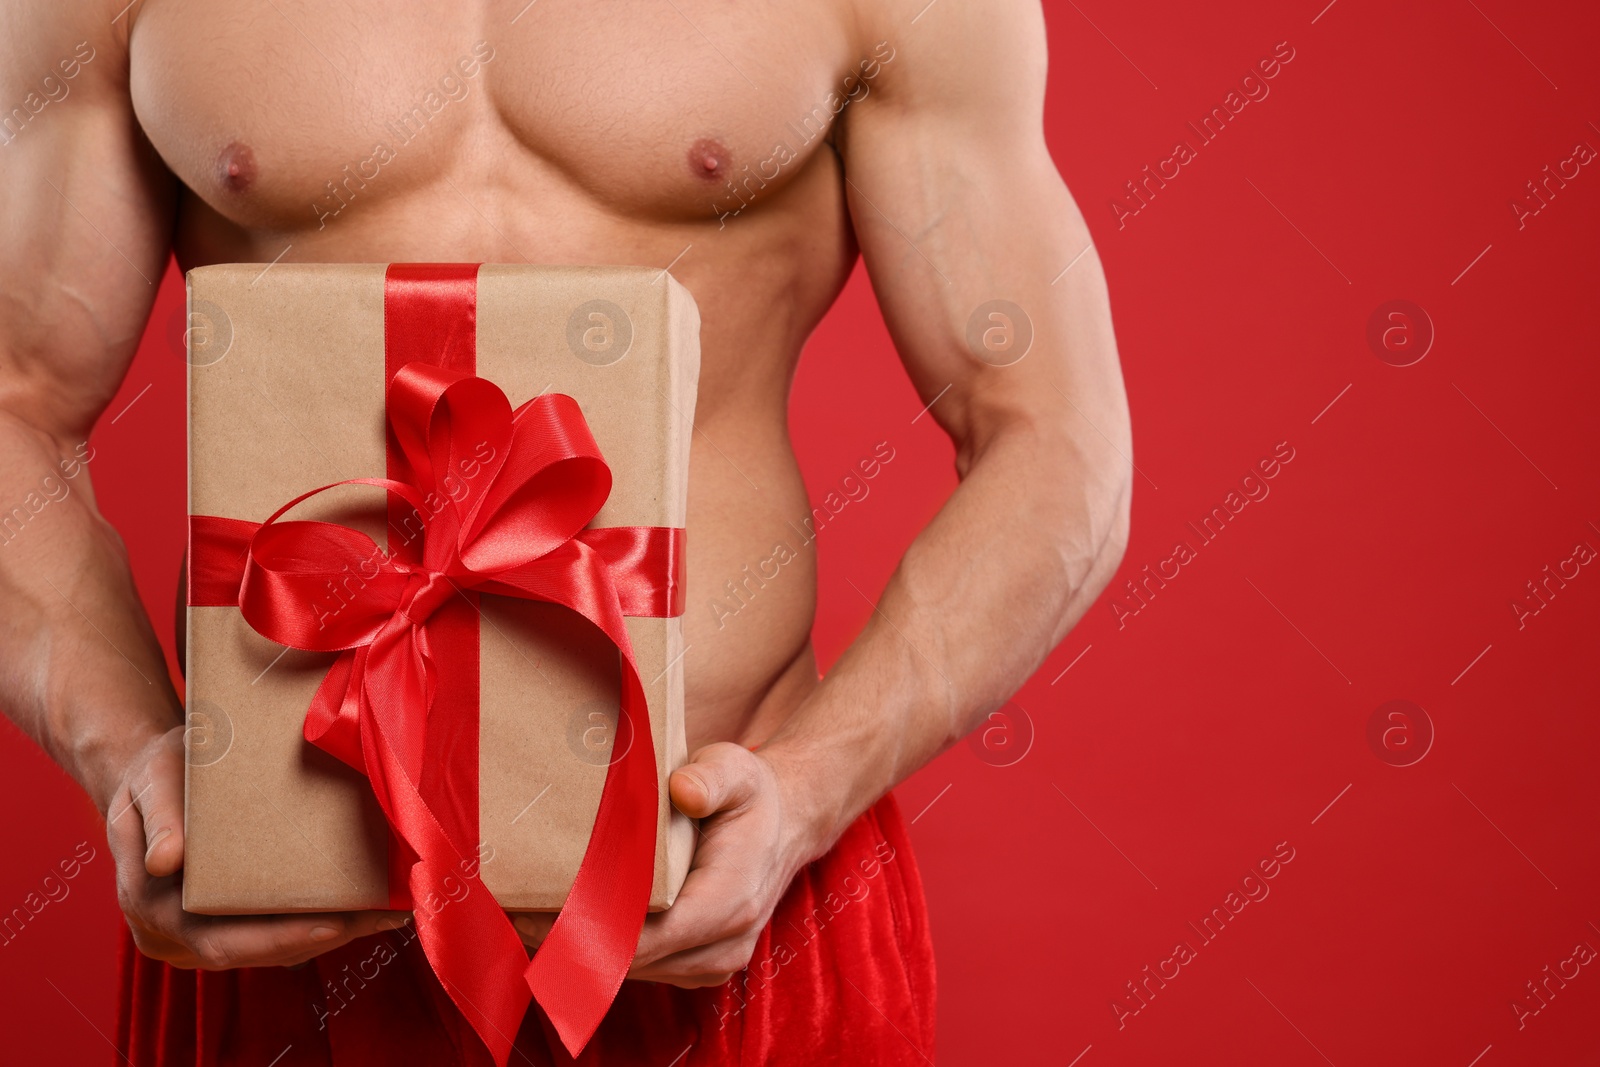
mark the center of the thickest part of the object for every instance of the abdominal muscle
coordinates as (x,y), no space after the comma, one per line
(747,624)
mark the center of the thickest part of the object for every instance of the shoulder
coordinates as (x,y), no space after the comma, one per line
(942,67)
(950,44)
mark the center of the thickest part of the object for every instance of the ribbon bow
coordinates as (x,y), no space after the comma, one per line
(503,499)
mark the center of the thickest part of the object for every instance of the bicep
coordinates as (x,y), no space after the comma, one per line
(967,228)
(86,219)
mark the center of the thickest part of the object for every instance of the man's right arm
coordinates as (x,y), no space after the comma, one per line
(86,216)
(85,226)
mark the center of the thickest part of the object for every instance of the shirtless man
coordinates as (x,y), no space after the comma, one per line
(756,151)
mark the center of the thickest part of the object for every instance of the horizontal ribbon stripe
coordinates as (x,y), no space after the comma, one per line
(646,564)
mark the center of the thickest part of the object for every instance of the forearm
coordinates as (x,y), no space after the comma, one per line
(1018,553)
(80,668)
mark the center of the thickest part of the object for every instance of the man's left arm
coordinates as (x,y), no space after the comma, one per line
(995,298)
(956,204)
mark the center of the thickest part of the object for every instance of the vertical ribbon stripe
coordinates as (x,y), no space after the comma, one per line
(430,316)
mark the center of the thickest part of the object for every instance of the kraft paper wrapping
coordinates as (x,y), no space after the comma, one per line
(286,393)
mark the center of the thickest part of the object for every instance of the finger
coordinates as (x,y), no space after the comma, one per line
(381,927)
(138,893)
(715,903)
(694,918)
(155,805)
(721,777)
(220,943)
(703,965)
(359,924)
(533,926)
(690,981)
(164,931)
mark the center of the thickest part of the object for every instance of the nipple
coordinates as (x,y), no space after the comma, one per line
(236,167)
(709,159)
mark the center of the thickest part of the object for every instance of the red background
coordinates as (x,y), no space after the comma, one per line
(1228,714)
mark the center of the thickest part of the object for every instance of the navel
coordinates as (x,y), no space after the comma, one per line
(236,167)
(710,160)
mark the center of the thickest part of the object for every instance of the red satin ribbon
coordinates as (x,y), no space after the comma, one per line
(482,500)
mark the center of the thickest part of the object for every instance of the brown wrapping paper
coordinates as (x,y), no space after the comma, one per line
(286,393)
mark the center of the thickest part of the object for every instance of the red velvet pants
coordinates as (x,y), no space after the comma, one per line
(842,974)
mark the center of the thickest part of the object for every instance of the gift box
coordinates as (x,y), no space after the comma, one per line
(430,663)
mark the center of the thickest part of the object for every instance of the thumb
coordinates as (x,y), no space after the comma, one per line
(155,806)
(721,777)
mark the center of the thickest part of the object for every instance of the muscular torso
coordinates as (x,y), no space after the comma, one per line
(585,131)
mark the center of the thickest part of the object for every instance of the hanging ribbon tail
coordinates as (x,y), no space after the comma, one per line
(467,938)
(577,970)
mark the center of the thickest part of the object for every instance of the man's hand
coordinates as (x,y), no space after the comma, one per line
(749,849)
(145,829)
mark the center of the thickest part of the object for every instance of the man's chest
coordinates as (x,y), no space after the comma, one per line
(276,111)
